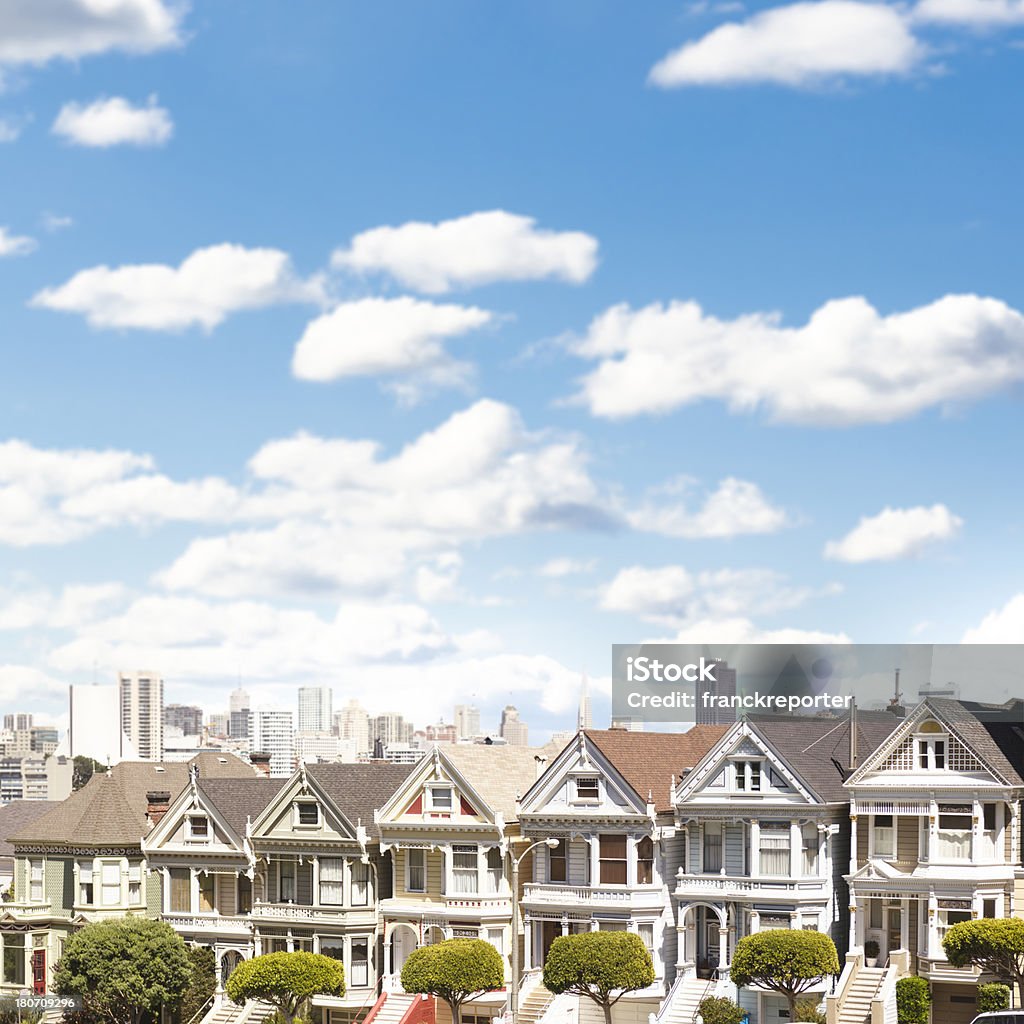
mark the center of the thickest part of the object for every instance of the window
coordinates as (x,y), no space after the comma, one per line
(14,959)
(496,937)
(440,798)
(111,884)
(587,788)
(417,870)
(198,828)
(332,881)
(286,874)
(771,922)
(206,893)
(360,884)
(989,813)
(748,776)
(181,891)
(775,848)
(948,918)
(558,862)
(134,884)
(464,868)
(712,846)
(244,894)
(875,913)
(495,869)
(307,813)
(35,881)
(645,861)
(884,836)
(809,837)
(360,972)
(645,929)
(988,908)
(85,888)
(931,754)
(955,831)
(613,860)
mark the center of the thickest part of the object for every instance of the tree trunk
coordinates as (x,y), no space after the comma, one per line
(607,1007)
(456,1009)
(791,999)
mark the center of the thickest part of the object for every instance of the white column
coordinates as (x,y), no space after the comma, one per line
(977,827)
(856,932)
(630,860)
(755,922)
(315,861)
(565,924)
(193,890)
(853,843)
(933,829)
(796,869)
(933,924)
(527,940)
(755,848)
(723,947)
(166,889)
(595,859)
(316,942)
(904,924)
(1014,829)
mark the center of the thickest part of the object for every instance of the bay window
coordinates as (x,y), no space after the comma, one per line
(85,885)
(110,878)
(206,892)
(955,831)
(884,836)
(180,901)
(809,839)
(774,851)
(558,862)
(360,966)
(464,868)
(332,881)
(645,861)
(14,959)
(286,881)
(360,883)
(35,881)
(613,860)
(495,869)
(417,861)
(712,846)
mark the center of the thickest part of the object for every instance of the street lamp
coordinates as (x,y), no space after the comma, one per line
(551,843)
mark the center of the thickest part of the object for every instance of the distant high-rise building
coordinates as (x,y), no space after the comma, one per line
(239,715)
(273,733)
(440,733)
(724,685)
(352,723)
(311,747)
(218,724)
(142,707)
(18,721)
(94,723)
(585,714)
(467,721)
(315,709)
(514,731)
(391,728)
(186,717)
(628,724)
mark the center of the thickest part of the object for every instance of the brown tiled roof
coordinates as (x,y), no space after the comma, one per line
(500,774)
(110,810)
(818,749)
(360,789)
(237,800)
(17,815)
(649,760)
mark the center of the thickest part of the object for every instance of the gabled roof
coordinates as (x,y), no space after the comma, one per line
(500,774)
(357,790)
(18,814)
(110,810)
(649,760)
(818,749)
(238,800)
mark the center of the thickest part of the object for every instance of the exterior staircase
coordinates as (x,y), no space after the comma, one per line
(683,1001)
(224,1011)
(534,1004)
(856,1005)
(394,1008)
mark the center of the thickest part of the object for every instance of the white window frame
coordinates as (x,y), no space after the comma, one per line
(925,748)
(429,800)
(875,851)
(351,966)
(745,776)
(409,866)
(111,867)
(85,871)
(366,898)
(36,879)
(463,849)
(135,891)
(588,800)
(190,834)
(337,883)
(307,825)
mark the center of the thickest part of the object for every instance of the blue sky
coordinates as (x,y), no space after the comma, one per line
(596,399)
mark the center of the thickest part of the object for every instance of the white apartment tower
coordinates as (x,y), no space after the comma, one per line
(142,712)
(352,722)
(315,709)
(239,716)
(467,721)
(514,731)
(585,714)
(273,733)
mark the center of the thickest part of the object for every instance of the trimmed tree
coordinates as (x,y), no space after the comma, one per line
(785,961)
(455,970)
(993,997)
(124,971)
(913,1000)
(719,1010)
(994,944)
(603,966)
(286,980)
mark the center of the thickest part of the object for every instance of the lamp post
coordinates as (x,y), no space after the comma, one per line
(551,843)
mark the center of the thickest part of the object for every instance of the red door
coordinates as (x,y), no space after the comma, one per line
(39,972)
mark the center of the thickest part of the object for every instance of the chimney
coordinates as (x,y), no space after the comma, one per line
(157,802)
(261,762)
(853,735)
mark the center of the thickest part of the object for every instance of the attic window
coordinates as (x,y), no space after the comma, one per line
(307,813)
(222,760)
(198,827)
(587,788)
(160,768)
(439,798)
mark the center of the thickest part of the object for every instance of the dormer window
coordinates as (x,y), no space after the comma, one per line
(197,828)
(307,813)
(931,747)
(439,798)
(587,788)
(748,776)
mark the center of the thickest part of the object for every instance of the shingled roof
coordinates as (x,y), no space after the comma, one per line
(983,737)
(649,760)
(238,800)
(17,815)
(110,810)
(818,749)
(360,789)
(500,774)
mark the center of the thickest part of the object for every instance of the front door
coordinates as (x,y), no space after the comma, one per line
(893,929)
(550,930)
(39,972)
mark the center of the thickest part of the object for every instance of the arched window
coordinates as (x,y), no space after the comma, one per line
(645,861)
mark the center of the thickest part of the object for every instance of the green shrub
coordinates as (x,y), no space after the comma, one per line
(809,1010)
(719,1010)
(993,997)
(871,949)
(913,998)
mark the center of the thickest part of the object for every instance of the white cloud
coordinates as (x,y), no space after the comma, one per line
(205,288)
(1002,626)
(736,507)
(10,130)
(672,595)
(17,682)
(374,337)
(797,44)
(742,631)
(558,568)
(15,245)
(114,122)
(465,252)
(37,31)
(56,222)
(895,533)
(439,580)
(74,607)
(847,365)
(971,13)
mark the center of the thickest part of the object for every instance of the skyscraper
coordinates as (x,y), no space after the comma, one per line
(19,721)
(513,730)
(585,714)
(391,727)
(273,733)
(186,717)
(142,712)
(352,723)
(314,709)
(239,715)
(723,686)
(467,721)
